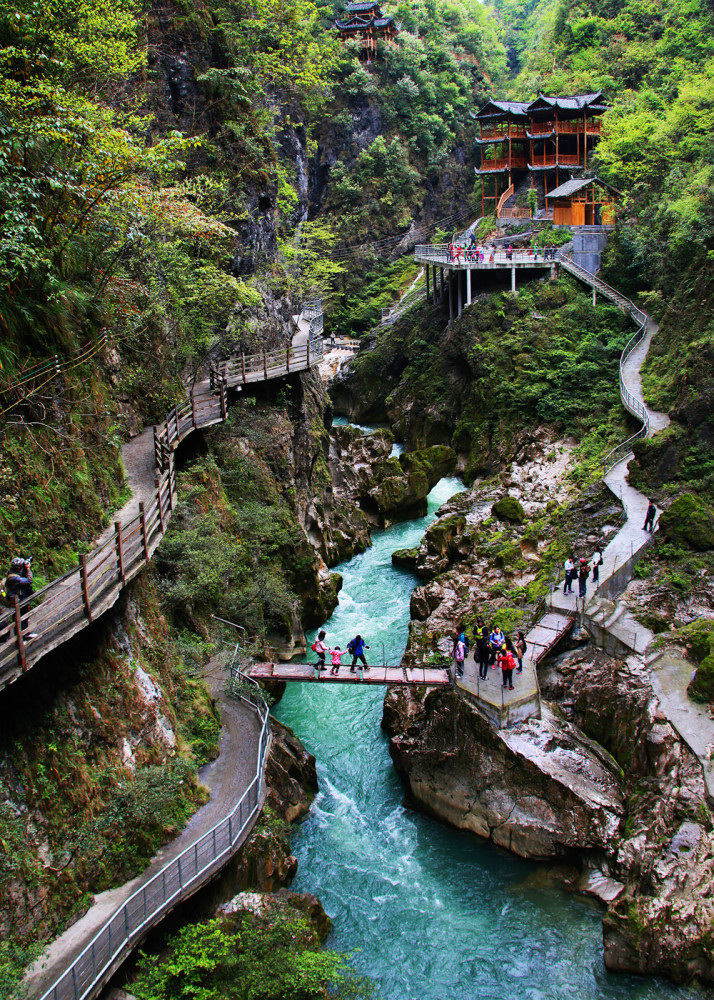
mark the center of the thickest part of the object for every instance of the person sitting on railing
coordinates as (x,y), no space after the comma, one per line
(18,584)
(650,517)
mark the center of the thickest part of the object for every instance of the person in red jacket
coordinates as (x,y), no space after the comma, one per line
(507,663)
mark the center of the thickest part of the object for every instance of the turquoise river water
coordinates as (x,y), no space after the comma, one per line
(429,913)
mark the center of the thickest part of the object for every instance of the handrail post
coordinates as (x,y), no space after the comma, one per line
(242,362)
(85,585)
(224,399)
(120,554)
(176,418)
(145,540)
(158,457)
(157,485)
(18,634)
(287,358)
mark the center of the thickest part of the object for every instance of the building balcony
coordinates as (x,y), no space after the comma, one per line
(503,132)
(503,163)
(545,160)
(541,130)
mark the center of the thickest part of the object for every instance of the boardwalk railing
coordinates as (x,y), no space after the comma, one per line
(631,402)
(68,604)
(178,880)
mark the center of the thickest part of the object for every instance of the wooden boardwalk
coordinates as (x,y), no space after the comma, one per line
(306,673)
(71,602)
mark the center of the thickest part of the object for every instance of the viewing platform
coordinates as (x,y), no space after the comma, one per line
(460,265)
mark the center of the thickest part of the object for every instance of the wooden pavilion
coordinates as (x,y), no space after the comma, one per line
(366,22)
(583,201)
(550,138)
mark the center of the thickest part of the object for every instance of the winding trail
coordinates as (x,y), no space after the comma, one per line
(227,778)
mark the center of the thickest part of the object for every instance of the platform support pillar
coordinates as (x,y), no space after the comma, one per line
(594,296)
(468,286)
(513,278)
(451,296)
(441,269)
(436,294)
(426,275)
(459,293)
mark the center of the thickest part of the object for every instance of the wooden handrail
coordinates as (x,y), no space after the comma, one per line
(504,198)
(70,602)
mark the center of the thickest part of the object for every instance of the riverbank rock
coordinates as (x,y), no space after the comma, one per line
(269,905)
(539,789)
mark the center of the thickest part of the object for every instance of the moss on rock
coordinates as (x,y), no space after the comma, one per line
(509,509)
(690,520)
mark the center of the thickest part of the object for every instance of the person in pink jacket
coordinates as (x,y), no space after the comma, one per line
(336,655)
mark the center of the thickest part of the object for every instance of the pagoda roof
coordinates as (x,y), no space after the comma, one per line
(571,186)
(497,109)
(362,8)
(520,110)
(574,102)
(382,22)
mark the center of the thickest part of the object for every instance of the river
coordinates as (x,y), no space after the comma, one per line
(429,913)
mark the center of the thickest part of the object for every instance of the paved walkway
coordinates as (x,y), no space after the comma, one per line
(139,463)
(226,778)
(631,538)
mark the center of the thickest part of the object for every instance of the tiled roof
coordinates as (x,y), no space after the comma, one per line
(571,186)
(520,109)
(575,102)
(361,8)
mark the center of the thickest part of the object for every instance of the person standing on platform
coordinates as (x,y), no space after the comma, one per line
(459,655)
(481,640)
(583,574)
(596,563)
(521,649)
(495,640)
(569,574)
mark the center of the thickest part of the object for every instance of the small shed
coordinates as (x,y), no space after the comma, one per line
(583,201)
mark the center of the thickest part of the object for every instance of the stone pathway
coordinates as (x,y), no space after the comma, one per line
(226,778)
(670,674)
(621,552)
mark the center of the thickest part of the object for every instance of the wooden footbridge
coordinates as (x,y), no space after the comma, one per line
(74,600)
(308,673)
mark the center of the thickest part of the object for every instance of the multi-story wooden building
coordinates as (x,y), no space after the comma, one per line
(366,22)
(550,138)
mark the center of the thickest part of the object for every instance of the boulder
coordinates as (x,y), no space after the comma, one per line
(690,520)
(509,509)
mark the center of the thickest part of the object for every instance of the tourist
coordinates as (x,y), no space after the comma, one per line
(18,584)
(332,340)
(319,646)
(596,563)
(495,640)
(509,251)
(650,517)
(521,649)
(336,659)
(357,647)
(492,258)
(481,640)
(569,574)
(583,574)
(451,252)
(506,662)
(459,654)
(459,253)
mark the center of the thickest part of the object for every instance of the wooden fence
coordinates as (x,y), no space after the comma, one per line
(68,604)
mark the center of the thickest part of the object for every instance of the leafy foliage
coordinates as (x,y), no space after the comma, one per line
(247,958)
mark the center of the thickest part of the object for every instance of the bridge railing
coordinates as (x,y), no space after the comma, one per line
(439,253)
(177,880)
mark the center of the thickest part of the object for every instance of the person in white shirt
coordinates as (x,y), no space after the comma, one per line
(569,573)
(596,563)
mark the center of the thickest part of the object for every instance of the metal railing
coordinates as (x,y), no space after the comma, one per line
(72,601)
(439,253)
(632,403)
(175,881)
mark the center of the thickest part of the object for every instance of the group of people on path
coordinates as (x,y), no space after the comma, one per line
(355,649)
(477,254)
(492,649)
(580,571)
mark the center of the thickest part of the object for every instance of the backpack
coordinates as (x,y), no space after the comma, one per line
(314,647)
(4,596)
(351,646)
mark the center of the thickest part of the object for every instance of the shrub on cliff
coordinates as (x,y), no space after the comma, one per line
(689,519)
(700,639)
(509,509)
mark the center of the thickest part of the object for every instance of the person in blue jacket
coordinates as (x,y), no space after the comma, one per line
(357,647)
